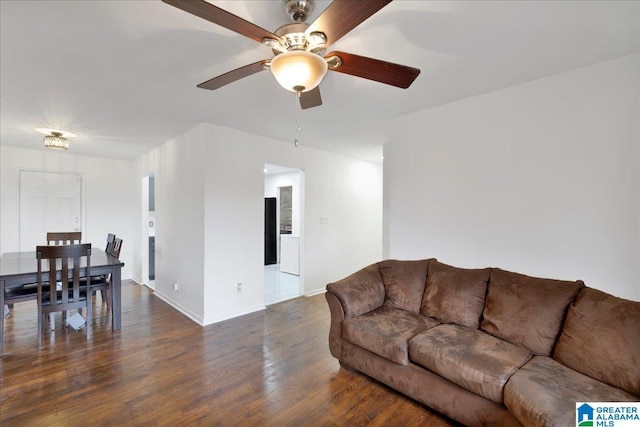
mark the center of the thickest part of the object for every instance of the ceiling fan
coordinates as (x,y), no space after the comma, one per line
(301,62)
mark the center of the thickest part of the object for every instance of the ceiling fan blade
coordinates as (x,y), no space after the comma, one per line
(374,69)
(342,16)
(223,18)
(310,98)
(233,75)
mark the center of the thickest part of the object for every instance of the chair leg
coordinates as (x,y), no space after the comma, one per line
(40,327)
(52,321)
(106,297)
(89,324)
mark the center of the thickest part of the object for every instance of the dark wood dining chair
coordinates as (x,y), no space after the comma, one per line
(64,238)
(58,238)
(101,283)
(115,248)
(72,295)
(30,292)
(110,238)
(22,293)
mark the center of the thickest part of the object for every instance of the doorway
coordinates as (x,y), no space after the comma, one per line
(148,235)
(284,197)
(48,202)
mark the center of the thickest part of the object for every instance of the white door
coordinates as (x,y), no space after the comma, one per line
(48,202)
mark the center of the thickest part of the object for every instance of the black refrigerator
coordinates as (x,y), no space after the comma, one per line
(270,231)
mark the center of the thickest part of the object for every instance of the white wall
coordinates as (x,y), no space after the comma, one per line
(108,196)
(179,169)
(215,196)
(541,178)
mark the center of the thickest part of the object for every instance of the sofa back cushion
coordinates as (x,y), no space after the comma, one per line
(404,283)
(601,339)
(527,311)
(455,295)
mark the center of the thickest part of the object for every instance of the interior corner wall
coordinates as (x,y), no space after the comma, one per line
(347,191)
(108,199)
(178,167)
(210,218)
(540,178)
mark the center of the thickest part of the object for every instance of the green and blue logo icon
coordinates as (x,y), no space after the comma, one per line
(607,414)
(584,417)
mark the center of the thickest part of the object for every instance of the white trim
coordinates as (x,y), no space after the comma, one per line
(231,315)
(314,293)
(179,307)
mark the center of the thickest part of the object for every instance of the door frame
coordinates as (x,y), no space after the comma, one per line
(146,231)
(83,209)
(301,194)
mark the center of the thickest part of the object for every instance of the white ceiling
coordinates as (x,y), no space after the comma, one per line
(122,75)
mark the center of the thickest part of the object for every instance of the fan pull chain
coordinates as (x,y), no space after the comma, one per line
(296,142)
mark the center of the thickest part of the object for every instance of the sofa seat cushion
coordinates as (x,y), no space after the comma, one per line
(386,332)
(470,358)
(544,393)
(601,339)
(527,311)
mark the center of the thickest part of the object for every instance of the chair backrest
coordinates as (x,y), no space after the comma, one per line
(68,258)
(64,238)
(110,238)
(115,248)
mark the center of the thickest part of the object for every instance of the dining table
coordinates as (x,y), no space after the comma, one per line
(21,268)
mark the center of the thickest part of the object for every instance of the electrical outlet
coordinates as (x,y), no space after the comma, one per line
(175,286)
(239,289)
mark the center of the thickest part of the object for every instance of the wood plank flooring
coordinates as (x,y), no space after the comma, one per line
(271,368)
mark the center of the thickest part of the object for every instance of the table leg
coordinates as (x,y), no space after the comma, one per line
(116,298)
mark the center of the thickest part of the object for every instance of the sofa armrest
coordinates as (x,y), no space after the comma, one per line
(335,330)
(357,294)
(361,292)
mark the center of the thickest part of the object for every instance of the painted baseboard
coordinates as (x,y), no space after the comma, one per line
(230,315)
(315,292)
(191,315)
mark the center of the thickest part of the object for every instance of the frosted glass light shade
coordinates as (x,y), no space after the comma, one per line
(298,69)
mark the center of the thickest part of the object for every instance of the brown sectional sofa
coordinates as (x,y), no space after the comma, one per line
(486,346)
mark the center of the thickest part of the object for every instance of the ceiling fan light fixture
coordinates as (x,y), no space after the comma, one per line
(298,70)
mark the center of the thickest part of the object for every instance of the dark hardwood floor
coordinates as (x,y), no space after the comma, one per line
(270,368)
